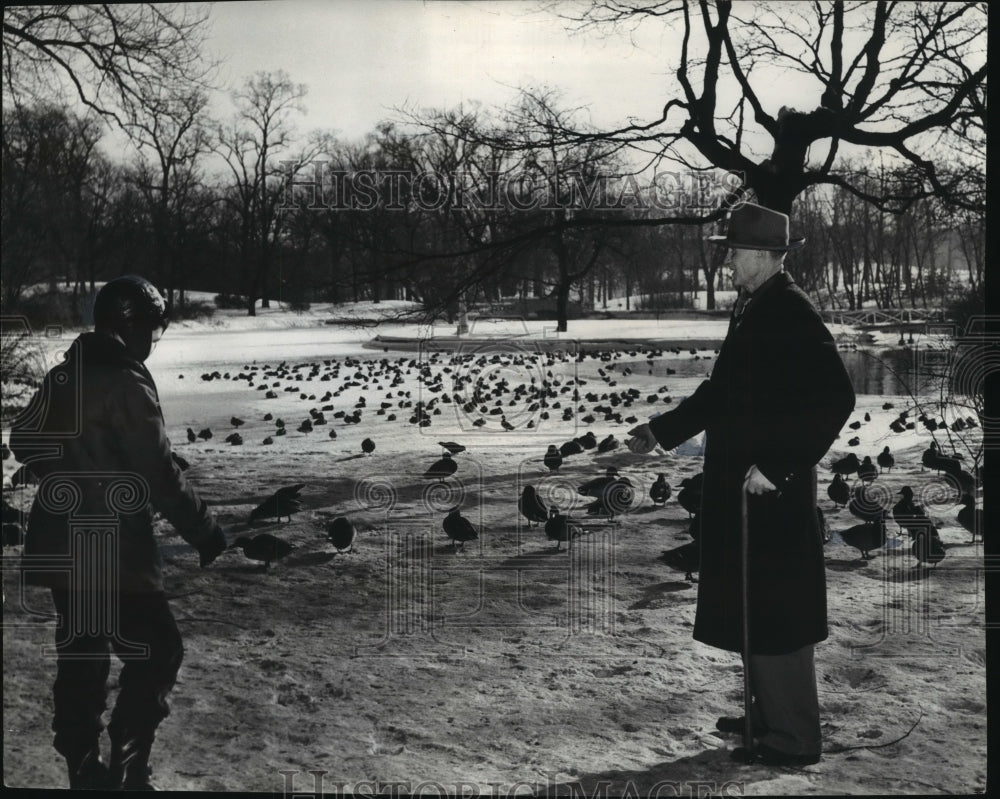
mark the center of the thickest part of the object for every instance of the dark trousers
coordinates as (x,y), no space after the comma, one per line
(785,711)
(127,626)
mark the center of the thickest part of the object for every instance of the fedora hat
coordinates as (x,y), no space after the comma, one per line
(754,227)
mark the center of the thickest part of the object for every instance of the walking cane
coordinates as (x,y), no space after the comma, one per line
(745,613)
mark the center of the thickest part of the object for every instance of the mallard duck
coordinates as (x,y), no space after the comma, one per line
(839,491)
(263,547)
(866,537)
(689,495)
(553,458)
(531,506)
(659,492)
(442,468)
(282,502)
(885,460)
(866,470)
(864,506)
(559,527)
(341,533)
(608,444)
(971,517)
(685,558)
(847,465)
(458,528)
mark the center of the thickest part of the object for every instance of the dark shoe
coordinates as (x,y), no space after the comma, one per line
(129,769)
(734,725)
(767,756)
(730,724)
(86,770)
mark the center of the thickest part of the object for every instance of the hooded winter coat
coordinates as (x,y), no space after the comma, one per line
(94,436)
(777,397)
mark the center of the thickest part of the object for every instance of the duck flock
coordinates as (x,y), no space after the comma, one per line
(505,393)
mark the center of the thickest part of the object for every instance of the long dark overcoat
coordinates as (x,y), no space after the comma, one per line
(777,397)
(94,436)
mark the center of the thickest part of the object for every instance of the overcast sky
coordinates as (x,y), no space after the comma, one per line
(360,60)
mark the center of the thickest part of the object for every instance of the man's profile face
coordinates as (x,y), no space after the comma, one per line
(141,341)
(750,267)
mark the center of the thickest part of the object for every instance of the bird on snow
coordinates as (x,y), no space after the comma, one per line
(659,492)
(839,491)
(531,506)
(847,465)
(235,422)
(442,468)
(864,506)
(971,517)
(282,502)
(689,496)
(458,528)
(235,439)
(909,515)
(866,470)
(191,436)
(559,527)
(368,446)
(885,460)
(608,444)
(205,434)
(341,533)
(452,447)
(866,537)
(263,547)
(685,558)
(553,458)
(572,447)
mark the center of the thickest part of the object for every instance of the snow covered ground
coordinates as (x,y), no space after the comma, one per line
(503,666)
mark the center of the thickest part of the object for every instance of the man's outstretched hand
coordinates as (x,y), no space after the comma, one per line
(641,440)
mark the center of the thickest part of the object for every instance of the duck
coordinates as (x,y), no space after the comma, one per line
(442,468)
(614,498)
(573,447)
(458,528)
(236,422)
(205,434)
(928,548)
(531,506)
(280,503)
(866,537)
(659,492)
(685,558)
(689,496)
(452,447)
(864,506)
(847,465)
(839,491)
(367,446)
(341,533)
(909,515)
(588,440)
(866,470)
(192,437)
(559,527)
(553,458)
(263,547)
(235,439)
(885,460)
(971,517)
(608,444)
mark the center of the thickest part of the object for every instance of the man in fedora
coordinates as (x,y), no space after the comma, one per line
(776,400)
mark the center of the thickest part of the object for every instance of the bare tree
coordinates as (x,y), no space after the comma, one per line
(112,57)
(903,77)
(257,148)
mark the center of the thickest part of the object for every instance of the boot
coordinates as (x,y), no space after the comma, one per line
(86,769)
(129,769)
